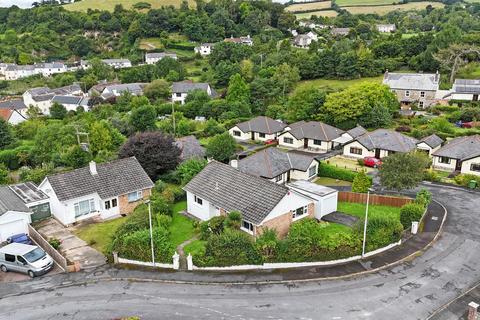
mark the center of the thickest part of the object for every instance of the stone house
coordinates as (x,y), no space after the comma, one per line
(460,154)
(241,40)
(260,128)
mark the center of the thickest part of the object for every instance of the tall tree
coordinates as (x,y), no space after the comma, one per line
(6,134)
(403,170)
(221,147)
(238,90)
(143,118)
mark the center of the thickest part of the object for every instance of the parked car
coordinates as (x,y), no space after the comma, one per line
(372,162)
(20,238)
(271,142)
(25,258)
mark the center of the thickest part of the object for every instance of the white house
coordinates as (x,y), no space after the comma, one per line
(15,72)
(41,97)
(181,89)
(72,103)
(278,165)
(460,154)
(430,144)
(466,89)
(46,69)
(114,63)
(116,90)
(50,68)
(386,28)
(350,135)
(304,40)
(260,128)
(13,111)
(219,189)
(310,136)
(154,57)
(106,190)
(204,49)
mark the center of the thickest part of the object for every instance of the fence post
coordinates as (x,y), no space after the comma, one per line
(176,261)
(189,262)
(115,257)
(472,311)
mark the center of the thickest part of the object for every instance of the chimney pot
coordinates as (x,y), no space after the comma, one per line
(93,168)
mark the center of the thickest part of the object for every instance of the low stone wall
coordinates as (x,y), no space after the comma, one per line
(375,199)
(41,242)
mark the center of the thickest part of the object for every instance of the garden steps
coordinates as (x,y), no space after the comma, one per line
(181,252)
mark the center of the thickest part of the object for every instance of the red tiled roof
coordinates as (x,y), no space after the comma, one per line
(5,114)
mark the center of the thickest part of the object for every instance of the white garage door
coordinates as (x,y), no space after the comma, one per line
(10,228)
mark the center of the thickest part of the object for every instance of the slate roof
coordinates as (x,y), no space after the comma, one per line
(312,188)
(272,162)
(412,81)
(232,190)
(261,124)
(190,147)
(115,61)
(340,31)
(160,55)
(10,202)
(135,88)
(461,148)
(187,86)
(39,91)
(432,141)
(113,179)
(466,86)
(387,140)
(16,104)
(67,99)
(314,130)
(357,131)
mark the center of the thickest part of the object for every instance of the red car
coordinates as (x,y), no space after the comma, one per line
(372,162)
(271,142)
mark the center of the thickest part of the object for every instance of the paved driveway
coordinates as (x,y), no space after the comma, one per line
(73,248)
(15,276)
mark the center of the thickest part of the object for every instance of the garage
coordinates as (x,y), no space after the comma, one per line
(14,214)
(8,229)
(325,198)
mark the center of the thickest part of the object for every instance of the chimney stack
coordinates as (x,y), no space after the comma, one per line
(93,168)
(234,163)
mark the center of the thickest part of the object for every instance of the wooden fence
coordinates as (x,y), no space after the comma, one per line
(41,242)
(375,199)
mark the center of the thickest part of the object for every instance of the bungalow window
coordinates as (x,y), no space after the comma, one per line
(444,160)
(299,212)
(107,205)
(198,200)
(422,94)
(288,140)
(114,203)
(84,207)
(407,93)
(178,94)
(475,167)
(134,196)
(237,133)
(261,135)
(247,226)
(317,142)
(312,171)
(354,150)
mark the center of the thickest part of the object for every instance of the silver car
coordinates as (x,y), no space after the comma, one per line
(25,258)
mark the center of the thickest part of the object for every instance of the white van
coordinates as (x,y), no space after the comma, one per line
(25,258)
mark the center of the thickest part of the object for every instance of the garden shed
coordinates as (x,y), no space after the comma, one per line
(326,198)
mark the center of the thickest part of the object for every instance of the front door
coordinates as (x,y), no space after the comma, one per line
(288,176)
(253,135)
(458,165)
(305,143)
(475,97)
(377,153)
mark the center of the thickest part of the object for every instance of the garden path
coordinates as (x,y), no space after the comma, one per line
(181,252)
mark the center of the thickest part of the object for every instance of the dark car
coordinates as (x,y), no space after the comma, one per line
(372,162)
(20,238)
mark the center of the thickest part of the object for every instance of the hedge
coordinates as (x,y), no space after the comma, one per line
(411,212)
(330,171)
(464,179)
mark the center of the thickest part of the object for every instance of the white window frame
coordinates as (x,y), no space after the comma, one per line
(91,207)
(296,216)
(407,93)
(289,139)
(444,160)
(314,169)
(422,94)
(315,142)
(198,200)
(249,226)
(353,149)
(237,133)
(135,196)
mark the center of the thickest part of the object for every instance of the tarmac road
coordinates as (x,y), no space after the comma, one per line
(411,290)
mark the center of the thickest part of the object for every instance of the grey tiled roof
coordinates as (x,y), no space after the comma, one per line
(113,179)
(412,81)
(190,147)
(271,162)
(314,130)
(160,55)
(39,91)
(16,104)
(261,124)
(432,141)
(10,202)
(67,99)
(387,140)
(108,61)
(186,86)
(232,190)
(357,131)
(466,86)
(461,148)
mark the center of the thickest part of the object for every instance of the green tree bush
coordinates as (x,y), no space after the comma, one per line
(403,170)
(221,147)
(409,213)
(361,183)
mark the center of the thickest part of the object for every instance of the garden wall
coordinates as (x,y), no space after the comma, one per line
(375,199)
(41,242)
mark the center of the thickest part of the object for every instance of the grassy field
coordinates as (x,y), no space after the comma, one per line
(358,210)
(309,6)
(325,181)
(389,8)
(110,4)
(99,235)
(334,85)
(323,13)
(351,3)
(150,44)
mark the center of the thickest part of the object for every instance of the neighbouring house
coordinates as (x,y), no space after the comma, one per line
(114,63)
(34,198)
(190,147)
(304,40)
(326,199)
(460,154)
(278,165)
(219,189)
(386,28)
(241,40)
(259,128)
(154,57)
(312,25)
(379,144)
(351,134)
(13,111)
(14,72)
(71,103)
(411,88)
(313,136)
(50,68)
(204,49)
(116,90)
(107,190)
(465,89)
(97,89)
(430,144)
(41,97)
(181,89)
(340,32)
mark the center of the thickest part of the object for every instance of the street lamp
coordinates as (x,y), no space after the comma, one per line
(148,203)
(365,223)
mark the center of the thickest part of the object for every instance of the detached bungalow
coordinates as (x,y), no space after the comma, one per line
(311,136)
(379,144)
(116,90)
(106,190)
(351,134)
(204,49)
(459,154)
(154,57)
(430,144)
(259,128)
(386,28)
(180,90)
(219,189)
(71,103)
(279,166)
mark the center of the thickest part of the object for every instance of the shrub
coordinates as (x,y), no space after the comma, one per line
(233,220)
(464,179)
(10,159)
(403,129)
(267,244)
(173,193)
(161,206)
(163,221)
(189,169)
(423,198)
(431,175)
(55,243)
(327,170)
(409,213)
(361,182)
(35,175)
(159,186)
(361,162)
(213,226)
(381,231)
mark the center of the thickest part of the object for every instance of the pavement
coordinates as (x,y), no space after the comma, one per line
(72,247)
(412,289)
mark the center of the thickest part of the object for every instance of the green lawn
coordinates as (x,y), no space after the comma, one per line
(345,3)
(325,181)
(181,228)
(334,85)
(99,235)
(358,210)
(110,4)
(196,247)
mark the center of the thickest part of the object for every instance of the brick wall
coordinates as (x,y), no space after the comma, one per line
(128,207)
(282,223)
